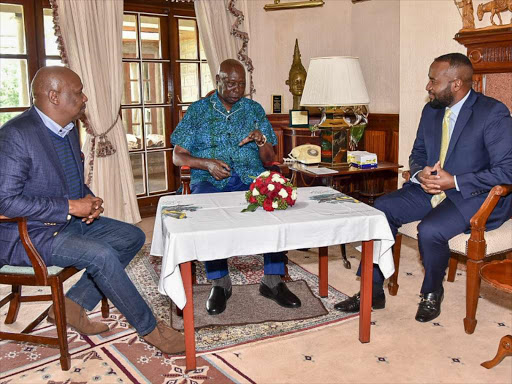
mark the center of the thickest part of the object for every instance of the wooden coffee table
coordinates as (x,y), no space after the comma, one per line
(499,275)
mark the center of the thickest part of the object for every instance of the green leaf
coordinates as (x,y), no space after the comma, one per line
(251,207)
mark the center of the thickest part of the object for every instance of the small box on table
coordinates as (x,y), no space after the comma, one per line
(362,159)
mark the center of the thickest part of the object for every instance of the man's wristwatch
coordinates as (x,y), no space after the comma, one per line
(263,143)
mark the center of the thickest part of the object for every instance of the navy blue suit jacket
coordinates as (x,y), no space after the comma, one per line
(32,184)
(479,153)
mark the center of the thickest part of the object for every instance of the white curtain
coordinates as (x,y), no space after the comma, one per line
(214,22)
(92,37)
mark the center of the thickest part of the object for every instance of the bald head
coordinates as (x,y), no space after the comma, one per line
(230,65)
(57,92)
(230,82)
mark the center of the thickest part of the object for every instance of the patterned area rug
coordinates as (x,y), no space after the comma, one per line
(121,356)
(243,270)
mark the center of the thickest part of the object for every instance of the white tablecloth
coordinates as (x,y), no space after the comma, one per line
(211,226)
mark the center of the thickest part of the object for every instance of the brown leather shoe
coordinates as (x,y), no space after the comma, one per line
(77,318)
(166,339)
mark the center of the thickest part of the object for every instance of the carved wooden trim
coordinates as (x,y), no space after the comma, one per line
(490,51)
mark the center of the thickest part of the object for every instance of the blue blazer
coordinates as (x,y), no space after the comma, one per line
(32,184)
(479,153)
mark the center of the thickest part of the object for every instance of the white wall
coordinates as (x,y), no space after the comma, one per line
(369,30)
(427,29)
(396,41)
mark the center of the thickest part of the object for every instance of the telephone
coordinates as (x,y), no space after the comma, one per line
(306,154)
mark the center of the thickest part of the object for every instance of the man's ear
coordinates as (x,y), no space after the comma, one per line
(53,96)
(217,79)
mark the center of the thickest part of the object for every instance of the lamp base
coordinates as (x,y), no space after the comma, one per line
(334,139)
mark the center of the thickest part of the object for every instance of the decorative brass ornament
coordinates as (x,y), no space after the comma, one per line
(296,77)
(292,4)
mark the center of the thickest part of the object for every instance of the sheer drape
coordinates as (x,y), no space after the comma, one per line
(215,22)
(91,31)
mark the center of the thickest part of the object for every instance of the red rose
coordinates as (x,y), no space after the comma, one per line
(267,205)
(252,199)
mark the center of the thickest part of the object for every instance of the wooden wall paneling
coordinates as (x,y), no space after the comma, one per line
(375,142)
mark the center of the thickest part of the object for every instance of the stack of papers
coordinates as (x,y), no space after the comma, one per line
(320,170)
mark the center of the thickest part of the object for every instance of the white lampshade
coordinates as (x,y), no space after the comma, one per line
(334,81)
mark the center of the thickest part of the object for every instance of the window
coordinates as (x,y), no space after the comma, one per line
(165,70)
(193,74)
(23,51)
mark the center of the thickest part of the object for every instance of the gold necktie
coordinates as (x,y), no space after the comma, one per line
(445,140)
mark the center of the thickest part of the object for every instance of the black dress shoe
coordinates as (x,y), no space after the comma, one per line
(352,304)
(217,300)
(430,305)
(281,295)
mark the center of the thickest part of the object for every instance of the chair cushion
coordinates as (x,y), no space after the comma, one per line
(28,270)
(498,240)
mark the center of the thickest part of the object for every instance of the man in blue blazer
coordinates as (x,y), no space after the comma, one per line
(41,178)
(462,149)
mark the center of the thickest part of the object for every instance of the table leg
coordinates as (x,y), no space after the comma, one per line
(323,271)
(188,317)
(365,311)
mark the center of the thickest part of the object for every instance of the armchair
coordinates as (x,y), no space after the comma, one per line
(476,246)
(38,275)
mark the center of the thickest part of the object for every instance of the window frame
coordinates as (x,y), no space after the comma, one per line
(34,40)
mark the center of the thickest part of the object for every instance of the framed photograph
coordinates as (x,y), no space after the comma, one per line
(299,118)
(276,103)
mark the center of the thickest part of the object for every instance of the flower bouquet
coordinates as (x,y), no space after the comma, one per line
(270,190)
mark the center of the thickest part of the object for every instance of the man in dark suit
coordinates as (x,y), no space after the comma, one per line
(41,177)
(462,149)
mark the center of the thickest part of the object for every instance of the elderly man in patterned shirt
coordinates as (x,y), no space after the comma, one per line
(225,139)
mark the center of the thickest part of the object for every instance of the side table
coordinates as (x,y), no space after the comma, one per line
(499,275)
(371,188)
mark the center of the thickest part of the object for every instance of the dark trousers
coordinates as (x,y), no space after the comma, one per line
(437,226)
(273,263)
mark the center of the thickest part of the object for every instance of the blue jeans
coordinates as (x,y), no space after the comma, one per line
(104,248)
(273,263)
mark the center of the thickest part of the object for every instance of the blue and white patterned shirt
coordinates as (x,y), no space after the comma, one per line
(209,131)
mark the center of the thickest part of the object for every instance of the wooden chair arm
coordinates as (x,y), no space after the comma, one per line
(185,179)
(476,242)
(479,219)
(40,269)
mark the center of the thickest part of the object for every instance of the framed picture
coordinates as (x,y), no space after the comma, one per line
(276,103)
(299,118)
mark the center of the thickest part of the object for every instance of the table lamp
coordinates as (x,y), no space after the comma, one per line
(336,86)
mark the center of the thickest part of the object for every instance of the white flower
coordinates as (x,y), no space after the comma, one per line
(271,187)
(255,192)
(274,204)
(276,178)
(264,174)
(283,193)
(294,194)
